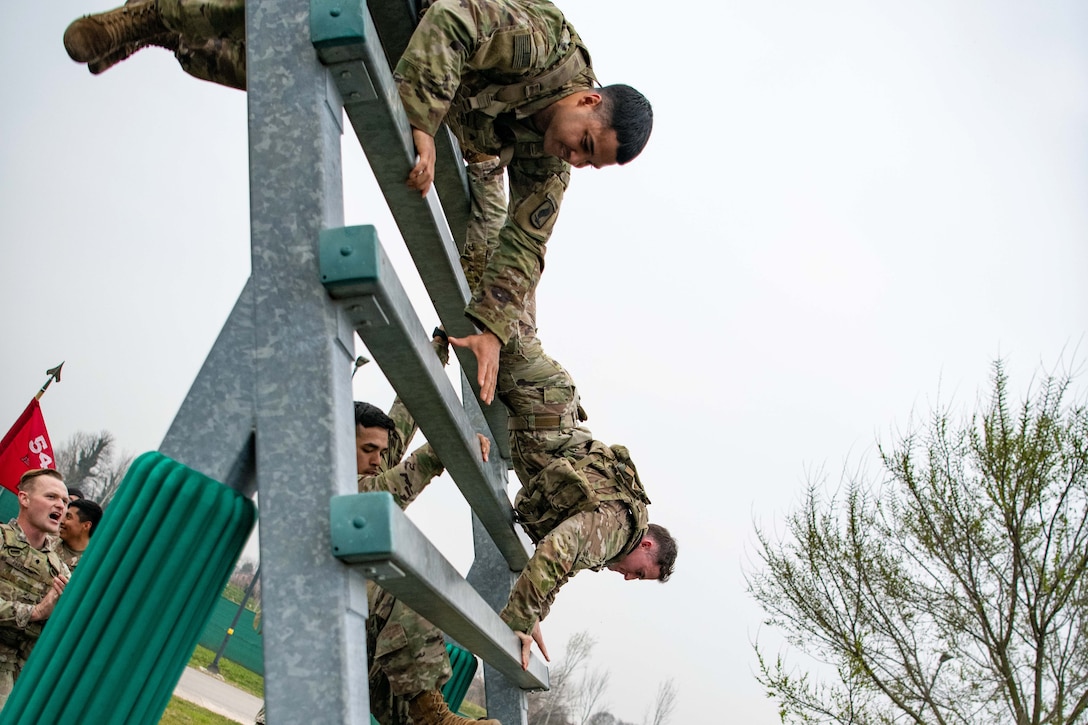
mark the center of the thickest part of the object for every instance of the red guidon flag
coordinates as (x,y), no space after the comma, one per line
(24,447)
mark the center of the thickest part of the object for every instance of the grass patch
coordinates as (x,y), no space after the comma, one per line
(180,712)
(232,672)
(471,710)
(235,593)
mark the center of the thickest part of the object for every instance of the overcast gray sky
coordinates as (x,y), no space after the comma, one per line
(846,212)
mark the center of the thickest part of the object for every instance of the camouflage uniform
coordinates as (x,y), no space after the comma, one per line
(462,66)
(68,555)
(581,501)
(461,53)
(26,576)
(206,36)
(210,38)
(408,654)
(558,462)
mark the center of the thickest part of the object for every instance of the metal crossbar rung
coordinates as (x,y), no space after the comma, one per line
(355,271)
(213,429)
(347,42)
(395,22)
(368,529)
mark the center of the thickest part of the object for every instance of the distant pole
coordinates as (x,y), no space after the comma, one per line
(54,374)
(214,666)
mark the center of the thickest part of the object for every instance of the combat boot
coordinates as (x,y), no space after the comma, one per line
(428,708)
(94,36)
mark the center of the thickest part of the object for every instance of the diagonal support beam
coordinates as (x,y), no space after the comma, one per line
(213,430)
(368,529)
(355,271)
(346,40)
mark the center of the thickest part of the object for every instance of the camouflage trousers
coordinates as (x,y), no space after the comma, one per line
(201,20)
(11,664)
(408,656)
(208,38)
(530,383)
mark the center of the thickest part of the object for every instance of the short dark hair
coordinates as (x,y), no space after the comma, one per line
(666,550)
(371,416)
(75,492)
(87,511)
(630,115)
(25,479)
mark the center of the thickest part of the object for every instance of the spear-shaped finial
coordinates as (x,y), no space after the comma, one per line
(54,374)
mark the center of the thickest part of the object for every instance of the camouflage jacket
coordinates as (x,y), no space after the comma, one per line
(460,50)
(69,556)
(26,574)
(588,540)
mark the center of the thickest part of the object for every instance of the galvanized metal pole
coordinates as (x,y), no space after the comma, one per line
(314,606)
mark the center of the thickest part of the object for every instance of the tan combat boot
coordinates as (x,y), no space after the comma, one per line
(94,36)
(428,708)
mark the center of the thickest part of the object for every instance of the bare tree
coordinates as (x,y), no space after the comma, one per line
(588,694)
(605,718)
(89,462)
(554,706)
(952,591)
(665,703)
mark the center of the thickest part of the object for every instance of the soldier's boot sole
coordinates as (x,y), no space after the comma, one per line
(169,41)
(94,36)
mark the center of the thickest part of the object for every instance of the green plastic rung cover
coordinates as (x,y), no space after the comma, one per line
(337,23)
(130,617)
(463,663)
(362,524)
(349,255)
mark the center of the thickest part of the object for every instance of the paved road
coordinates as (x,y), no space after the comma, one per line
(211,693)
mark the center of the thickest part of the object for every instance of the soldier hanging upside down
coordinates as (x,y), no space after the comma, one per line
(581,501)
(511,78)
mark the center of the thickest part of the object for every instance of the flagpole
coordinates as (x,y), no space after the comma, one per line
(54,374)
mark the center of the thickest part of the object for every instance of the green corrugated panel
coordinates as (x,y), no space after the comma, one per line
(244,647)
(9,505)
(463,663)
(128,621)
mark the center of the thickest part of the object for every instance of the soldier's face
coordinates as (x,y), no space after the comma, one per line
(71,526)
(640,563)
(577,134)
(370,444)
(45,503)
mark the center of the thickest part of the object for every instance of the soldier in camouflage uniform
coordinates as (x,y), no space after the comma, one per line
(408,659)
(31,577)
(76,529)
(410,663)
(206,36)
(581,501)
(511,78)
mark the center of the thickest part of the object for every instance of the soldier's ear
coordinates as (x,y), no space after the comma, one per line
(591,99)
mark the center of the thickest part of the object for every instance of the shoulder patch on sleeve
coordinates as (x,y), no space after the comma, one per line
(543,213)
